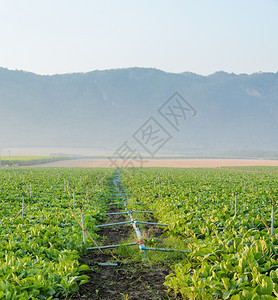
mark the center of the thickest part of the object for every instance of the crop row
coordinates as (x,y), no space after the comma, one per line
(223,219)
(39,250)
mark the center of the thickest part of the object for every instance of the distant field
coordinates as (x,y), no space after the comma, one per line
(172,163)
(25,158)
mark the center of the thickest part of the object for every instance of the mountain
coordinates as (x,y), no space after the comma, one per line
(228,113)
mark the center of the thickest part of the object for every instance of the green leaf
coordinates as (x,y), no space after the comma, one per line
(266,288)
(83,281)
(50,291)
(8,295)
(226,295)
(75,288)
(64,284)
(267,297)
(226,282)
(235,297)
(35,293)
(255,297)
(84,268)
(83,277)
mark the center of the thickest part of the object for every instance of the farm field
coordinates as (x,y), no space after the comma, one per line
(27,160)
(24,158)
(222,233)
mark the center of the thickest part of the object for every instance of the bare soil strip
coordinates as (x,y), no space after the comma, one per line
(174,163)
(127,280)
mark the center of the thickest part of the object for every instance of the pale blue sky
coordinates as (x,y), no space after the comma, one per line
(201,36)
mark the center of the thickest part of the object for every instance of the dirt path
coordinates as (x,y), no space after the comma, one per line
(129,279)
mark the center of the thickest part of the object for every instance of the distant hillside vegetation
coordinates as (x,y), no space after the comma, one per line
(236,114)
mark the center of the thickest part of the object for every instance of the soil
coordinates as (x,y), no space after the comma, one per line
(173,163)
(127,280)
(115,234)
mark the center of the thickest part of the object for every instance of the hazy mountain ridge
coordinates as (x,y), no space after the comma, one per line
(104,108)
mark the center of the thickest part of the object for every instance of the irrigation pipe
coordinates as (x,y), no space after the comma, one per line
(134,224)
(86,232)
(114,224)
(130,212)
(140,242)
(149,223)
(107,264)
(123,203)
(132,221)
(112,246)
(138,234)
(165,250)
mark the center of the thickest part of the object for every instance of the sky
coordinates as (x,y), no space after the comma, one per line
(200,36)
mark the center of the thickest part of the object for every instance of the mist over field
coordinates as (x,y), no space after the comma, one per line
(236,115)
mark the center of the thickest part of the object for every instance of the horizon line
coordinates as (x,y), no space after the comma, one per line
(136,67)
